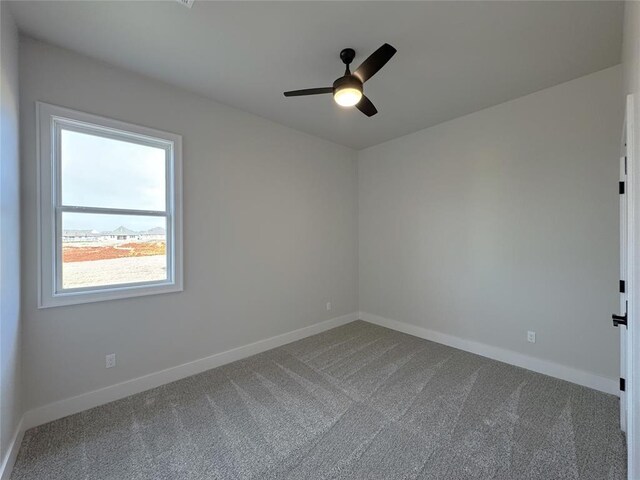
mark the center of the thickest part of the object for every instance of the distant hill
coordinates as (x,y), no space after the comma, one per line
(121,230)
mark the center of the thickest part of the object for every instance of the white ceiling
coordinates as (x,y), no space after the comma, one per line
(453,57)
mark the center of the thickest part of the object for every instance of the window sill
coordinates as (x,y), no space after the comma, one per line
(113,293)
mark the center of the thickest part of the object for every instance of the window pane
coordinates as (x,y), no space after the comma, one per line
(102,172)
(99,249)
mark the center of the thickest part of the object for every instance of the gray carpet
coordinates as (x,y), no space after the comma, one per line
(356,402)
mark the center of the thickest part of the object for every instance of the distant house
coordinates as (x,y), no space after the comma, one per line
(80,235)
(156,233)
(123,233)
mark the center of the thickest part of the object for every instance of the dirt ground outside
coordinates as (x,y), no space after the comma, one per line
(92,264)
(114,271)
(83,252)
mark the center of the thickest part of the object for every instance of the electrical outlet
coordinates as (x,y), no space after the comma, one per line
(110,360)
(328,306)
(531,337)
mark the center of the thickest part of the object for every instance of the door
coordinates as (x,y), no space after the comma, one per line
(629,279)
(630,335)
(620,320)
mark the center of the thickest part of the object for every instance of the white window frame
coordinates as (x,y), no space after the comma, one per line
(50,120)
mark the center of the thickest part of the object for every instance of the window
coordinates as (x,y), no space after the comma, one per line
(109,208)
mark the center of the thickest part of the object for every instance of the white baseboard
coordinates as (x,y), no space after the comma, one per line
(570,374)
(12,453)
(85,401)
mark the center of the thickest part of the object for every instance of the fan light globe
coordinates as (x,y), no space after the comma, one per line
(347,97)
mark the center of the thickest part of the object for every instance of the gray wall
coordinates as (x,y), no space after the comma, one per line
(503,221)
(631,48)
(270,233)
(10,375)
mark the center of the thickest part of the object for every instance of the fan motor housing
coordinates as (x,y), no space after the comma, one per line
(348,81)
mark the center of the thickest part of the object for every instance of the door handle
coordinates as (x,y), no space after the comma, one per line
(621,319)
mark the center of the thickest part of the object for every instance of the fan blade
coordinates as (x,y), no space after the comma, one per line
(366,107)
(308,91)
(375,62)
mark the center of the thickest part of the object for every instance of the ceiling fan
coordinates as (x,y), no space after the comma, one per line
(347,90)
